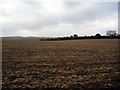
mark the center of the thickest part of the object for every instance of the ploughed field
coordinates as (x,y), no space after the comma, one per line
(72,64)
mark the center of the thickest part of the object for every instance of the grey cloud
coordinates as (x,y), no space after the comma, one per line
(71,5)
(99,10)
(34,16)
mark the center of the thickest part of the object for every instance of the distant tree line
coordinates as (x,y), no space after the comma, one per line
(109,35)
(76,37)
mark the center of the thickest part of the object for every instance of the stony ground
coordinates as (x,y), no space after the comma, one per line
(74,64)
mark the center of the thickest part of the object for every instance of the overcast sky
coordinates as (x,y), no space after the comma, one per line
(53,18)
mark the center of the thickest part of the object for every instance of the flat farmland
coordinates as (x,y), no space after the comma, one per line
(71,64)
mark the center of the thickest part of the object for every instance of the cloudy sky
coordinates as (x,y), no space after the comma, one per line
(52,18)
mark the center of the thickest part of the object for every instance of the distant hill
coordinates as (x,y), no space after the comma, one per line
(21,37)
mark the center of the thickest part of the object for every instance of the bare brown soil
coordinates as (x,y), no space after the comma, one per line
(74,64)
